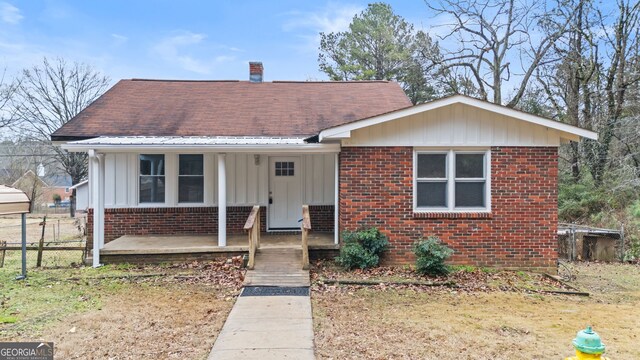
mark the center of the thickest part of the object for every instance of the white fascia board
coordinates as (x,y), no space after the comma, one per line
(459,99)
(79,184)
(298,148)
(339,136)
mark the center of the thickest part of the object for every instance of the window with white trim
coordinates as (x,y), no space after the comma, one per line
(190,178)
(152,184)
(451,181)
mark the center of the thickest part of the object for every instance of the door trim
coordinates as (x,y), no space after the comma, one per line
(301,180)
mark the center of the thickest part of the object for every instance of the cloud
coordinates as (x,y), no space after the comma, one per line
(189,51)
(224,58)
(119,39)
(10,14)
(309,24)
(332,18)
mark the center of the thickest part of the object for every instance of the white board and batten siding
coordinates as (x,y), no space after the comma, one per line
(247,182)
(457,125)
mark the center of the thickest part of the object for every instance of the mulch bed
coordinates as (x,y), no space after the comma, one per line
(326,276)
(219,273)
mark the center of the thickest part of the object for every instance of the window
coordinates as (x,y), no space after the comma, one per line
(191,179)
(152,178)
(284,168)
(451,181)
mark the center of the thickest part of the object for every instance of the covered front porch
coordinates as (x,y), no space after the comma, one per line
(188,195)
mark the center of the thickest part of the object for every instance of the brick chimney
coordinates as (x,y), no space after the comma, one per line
(255,71)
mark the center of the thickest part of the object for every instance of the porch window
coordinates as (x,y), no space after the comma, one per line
(451,181)
(152,178)
(191,179)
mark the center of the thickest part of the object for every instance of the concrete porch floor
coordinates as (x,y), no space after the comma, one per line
(189,244)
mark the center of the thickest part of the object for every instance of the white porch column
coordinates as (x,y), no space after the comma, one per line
(97,199)
(222,200)
(336,201)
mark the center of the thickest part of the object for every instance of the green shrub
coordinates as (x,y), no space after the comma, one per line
(579,201)
(431,254)
(362,249)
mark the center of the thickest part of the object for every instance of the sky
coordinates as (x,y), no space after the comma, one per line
(180,39)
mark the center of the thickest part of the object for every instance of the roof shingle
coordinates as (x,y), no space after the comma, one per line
(230,108)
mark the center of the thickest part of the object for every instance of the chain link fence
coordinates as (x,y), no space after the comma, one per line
(58,241)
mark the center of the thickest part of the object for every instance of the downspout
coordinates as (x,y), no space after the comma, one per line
(222,200)
(336,200)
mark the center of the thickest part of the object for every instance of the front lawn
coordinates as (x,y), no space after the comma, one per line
(120,312)
(503,315)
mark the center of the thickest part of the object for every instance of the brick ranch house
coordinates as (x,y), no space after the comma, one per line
(187,160)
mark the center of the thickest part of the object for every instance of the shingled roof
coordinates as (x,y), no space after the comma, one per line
(230,108)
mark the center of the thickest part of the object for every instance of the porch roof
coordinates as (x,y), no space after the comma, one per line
(199,143)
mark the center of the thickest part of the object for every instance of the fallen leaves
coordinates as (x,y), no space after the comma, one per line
(466,280)
(223,273)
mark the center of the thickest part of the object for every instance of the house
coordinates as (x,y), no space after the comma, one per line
(82,196)
(191,158)
(41,191)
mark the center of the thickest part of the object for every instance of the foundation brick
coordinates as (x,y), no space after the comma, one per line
(189,221)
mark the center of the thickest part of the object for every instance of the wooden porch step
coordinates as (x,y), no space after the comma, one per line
(278,267)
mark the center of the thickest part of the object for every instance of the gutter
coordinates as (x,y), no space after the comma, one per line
(308,148)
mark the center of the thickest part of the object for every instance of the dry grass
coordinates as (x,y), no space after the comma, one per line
(121,312)
(59,227)
(61,230)
(174,322)
(445,324)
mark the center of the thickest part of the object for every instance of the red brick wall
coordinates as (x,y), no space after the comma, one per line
(189,220)
(376,189)
(169,221)
(322,218)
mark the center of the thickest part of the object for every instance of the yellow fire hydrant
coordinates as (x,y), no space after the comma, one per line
(588,346)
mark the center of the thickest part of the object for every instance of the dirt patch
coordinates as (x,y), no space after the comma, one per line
(177,322)
(439,323)
(612,282)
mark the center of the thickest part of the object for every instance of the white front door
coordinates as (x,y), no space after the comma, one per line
(285,193)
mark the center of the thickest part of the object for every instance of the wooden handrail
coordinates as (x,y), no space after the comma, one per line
(253,229)
(253,215)
(306,227)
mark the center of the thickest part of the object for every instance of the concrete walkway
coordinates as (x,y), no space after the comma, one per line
(270,327)
(267,327)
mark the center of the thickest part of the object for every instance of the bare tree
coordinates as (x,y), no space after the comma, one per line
(618,75)
(51,94)
(7,90)
(23,162)
(569,84)
(594,86)
(494,37)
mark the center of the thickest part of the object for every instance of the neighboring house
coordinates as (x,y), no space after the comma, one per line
(39,191)
(192,157)
(82,196)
